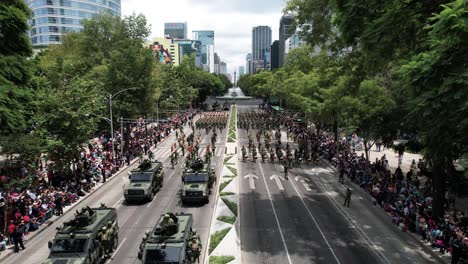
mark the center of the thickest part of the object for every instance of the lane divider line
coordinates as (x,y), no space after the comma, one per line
(316,224)
(276,215)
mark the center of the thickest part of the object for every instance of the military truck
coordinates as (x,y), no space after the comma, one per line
(197,180)
(145,181)
(81,239)
(170,241)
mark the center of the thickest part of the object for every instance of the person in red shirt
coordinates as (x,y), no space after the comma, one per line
(11,230)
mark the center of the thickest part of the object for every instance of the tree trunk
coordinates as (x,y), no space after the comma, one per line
(438,185)
(366,150)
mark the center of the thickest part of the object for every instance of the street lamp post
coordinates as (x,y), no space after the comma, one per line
(110,98)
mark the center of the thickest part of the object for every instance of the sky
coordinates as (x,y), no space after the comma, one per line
(232,21)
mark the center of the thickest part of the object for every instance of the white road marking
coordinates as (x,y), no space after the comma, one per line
(276,216)
(278,181)
(118,202)
(352,222)
(154,198)
(123,241)
(316,224)
(252,179)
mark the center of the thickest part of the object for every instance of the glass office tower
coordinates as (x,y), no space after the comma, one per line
(52,18)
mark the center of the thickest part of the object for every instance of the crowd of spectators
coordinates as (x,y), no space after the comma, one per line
(26,209)
(407,197)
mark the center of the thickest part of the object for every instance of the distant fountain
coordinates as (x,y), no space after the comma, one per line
(234,93)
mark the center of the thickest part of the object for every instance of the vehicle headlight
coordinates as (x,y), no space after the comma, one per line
(204,192)
(183,192)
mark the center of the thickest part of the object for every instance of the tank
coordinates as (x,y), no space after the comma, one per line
(81,240)
(197,182)
(145,181)
(171,241)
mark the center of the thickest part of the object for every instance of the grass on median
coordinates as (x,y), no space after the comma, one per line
(227,158)
(228,219)
(231,205)
(226,193)
(223,185)
(221,259)
(217,237)
(233,170)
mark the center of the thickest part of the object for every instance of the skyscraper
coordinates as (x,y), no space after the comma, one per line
(52,18)
(175,30)
(275,55)
(261,41)
(207,39)
(241,70)
(249,63)
(284,33)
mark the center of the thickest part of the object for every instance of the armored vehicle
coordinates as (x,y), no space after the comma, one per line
(88,238)
(197,181)
(172,241)
(145,181)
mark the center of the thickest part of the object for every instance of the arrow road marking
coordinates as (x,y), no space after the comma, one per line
(304,182)
(252,179)
(278,181)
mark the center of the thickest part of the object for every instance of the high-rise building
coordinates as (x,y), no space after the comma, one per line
(175,30)
(261,44)
(261,41)
(286,22)
(207,39)
(190,47)
(52,18)
(223,68)
(249,63)
(275,55)
(241,70)
(217,61)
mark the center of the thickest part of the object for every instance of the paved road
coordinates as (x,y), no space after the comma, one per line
(135,219)
(303,221)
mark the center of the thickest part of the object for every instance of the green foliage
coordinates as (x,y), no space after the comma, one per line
(221,259)
(216,238)
(227,219)
(232,205)
(15,69)
(223,185)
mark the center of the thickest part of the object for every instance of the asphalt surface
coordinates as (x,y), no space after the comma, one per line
(302,219)
(299,220)
(135,219)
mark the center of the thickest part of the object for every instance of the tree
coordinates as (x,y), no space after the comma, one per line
(15,69)
(436,81)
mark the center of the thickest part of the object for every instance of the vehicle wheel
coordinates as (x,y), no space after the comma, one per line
(151,196)
(208,199)
(115,243)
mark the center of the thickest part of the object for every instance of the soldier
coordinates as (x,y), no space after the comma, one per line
(105,242)
(195,247)
(173,160)
(167,220)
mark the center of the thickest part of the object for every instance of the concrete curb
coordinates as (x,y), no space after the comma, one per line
(231,242)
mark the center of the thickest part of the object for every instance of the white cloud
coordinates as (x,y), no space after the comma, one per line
(231,20)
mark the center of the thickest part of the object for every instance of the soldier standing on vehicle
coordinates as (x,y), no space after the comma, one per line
(347,197)
(167,220)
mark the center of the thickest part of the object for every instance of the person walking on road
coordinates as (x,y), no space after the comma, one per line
(341,175)
(347,197)
(18,239)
